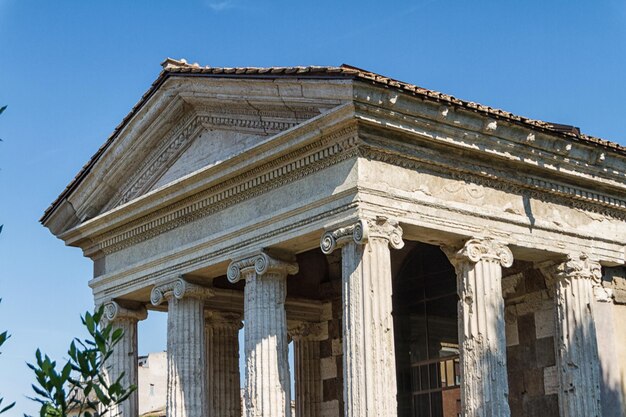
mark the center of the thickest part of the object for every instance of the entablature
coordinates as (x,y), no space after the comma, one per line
(544,152)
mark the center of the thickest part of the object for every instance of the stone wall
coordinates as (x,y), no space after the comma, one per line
(331,355)
(529,314)
(609,309)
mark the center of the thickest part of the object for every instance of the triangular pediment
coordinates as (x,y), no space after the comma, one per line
(186,125)
(207,136)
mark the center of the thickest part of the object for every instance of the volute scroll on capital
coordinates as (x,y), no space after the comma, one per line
(481,249)
(221,319)
(178,288)
(579,267)
(113,311)
(363,231)
(260,263)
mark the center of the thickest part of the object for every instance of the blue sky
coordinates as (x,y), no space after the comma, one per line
(71,70)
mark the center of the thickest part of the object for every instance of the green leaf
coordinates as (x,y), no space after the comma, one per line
(7,408)
(89,323)
(83,375)
(3,337)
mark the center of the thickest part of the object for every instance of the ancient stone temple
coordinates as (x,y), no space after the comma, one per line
(426,256)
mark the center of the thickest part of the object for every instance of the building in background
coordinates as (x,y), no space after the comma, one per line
(428,256)
(152,384)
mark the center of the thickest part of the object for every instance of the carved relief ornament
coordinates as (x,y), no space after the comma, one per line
(480,249)
(113,311)
(260,263)
(579,267)
(178,288)
(362,231)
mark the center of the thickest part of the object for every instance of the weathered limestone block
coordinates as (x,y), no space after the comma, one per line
(306,338)
(222,356)
(577,361)
(124,357)
(370,388)
(267,390)
(186,354)
(484,384)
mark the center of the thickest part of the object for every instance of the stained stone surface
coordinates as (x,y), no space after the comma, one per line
(482,340)
(209,168)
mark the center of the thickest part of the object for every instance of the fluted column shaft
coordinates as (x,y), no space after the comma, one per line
(186,360)
(222,356)
(267,388)
(308,382)
(484,383)
(186,394)
(369,369)
(124,359)
(577,359)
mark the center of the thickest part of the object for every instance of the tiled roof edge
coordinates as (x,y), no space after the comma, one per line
(173,67)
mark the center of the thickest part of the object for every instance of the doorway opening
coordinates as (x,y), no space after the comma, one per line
(426,335)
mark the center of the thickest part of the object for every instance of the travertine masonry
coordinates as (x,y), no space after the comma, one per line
(529,314)
(484,385)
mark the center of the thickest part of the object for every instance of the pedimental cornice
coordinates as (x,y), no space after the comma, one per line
(327,149)
(330,147)
(144,145)
(494,138)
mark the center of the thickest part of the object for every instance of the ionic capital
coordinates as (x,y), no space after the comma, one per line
(113,311)
(481,249)
(178,288)
(579,267)
(363,231)
(219,319)
(302,330)
(260,263)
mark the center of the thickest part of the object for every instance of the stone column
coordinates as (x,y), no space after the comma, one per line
(577,360)
(186,351)
(306,340)
(484,383)
(369,369)
(267,390)
(222,356)
(124,358)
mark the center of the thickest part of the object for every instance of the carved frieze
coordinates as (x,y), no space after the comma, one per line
(328,150)
(476,176)
(333,149)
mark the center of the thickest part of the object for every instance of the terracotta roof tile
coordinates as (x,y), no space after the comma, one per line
(172,67)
